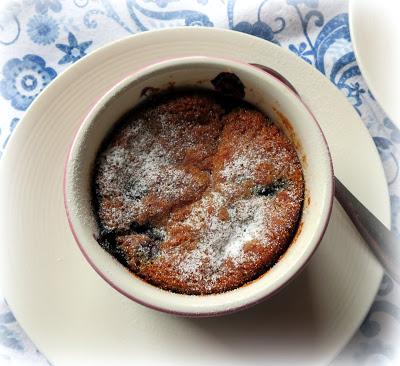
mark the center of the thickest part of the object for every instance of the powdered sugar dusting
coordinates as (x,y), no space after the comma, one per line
(222,239)
(252,219)
(131,171)
(225,195)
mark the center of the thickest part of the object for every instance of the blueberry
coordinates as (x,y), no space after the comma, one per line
(228,83)
(270,189)
(149,250)
(134,191)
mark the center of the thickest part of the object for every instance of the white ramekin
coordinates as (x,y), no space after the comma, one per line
(272,96)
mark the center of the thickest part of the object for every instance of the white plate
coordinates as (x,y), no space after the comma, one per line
(75,318)
(375,34)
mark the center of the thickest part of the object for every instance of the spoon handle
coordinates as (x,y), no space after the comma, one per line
(382,242)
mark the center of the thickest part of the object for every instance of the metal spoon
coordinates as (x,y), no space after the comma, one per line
(382,242)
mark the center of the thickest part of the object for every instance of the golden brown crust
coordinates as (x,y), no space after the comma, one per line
(210,200)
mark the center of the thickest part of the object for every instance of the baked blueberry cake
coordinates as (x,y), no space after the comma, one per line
(197,194)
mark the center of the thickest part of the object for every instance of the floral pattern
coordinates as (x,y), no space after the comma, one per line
(301,51)
(141,15)
(259,28)
(42,29)
(40,38)
(24,79)
(74,50)
(43,6)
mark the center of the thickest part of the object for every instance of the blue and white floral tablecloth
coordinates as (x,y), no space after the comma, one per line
(41,38)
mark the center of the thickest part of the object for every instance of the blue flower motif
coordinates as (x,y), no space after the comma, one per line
(43,6)
(258,29)
(43,29)
(301,51)
(74,50)
(24,80)
(354,90)
(198,20)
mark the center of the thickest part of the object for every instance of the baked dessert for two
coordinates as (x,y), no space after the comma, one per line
(197,193)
